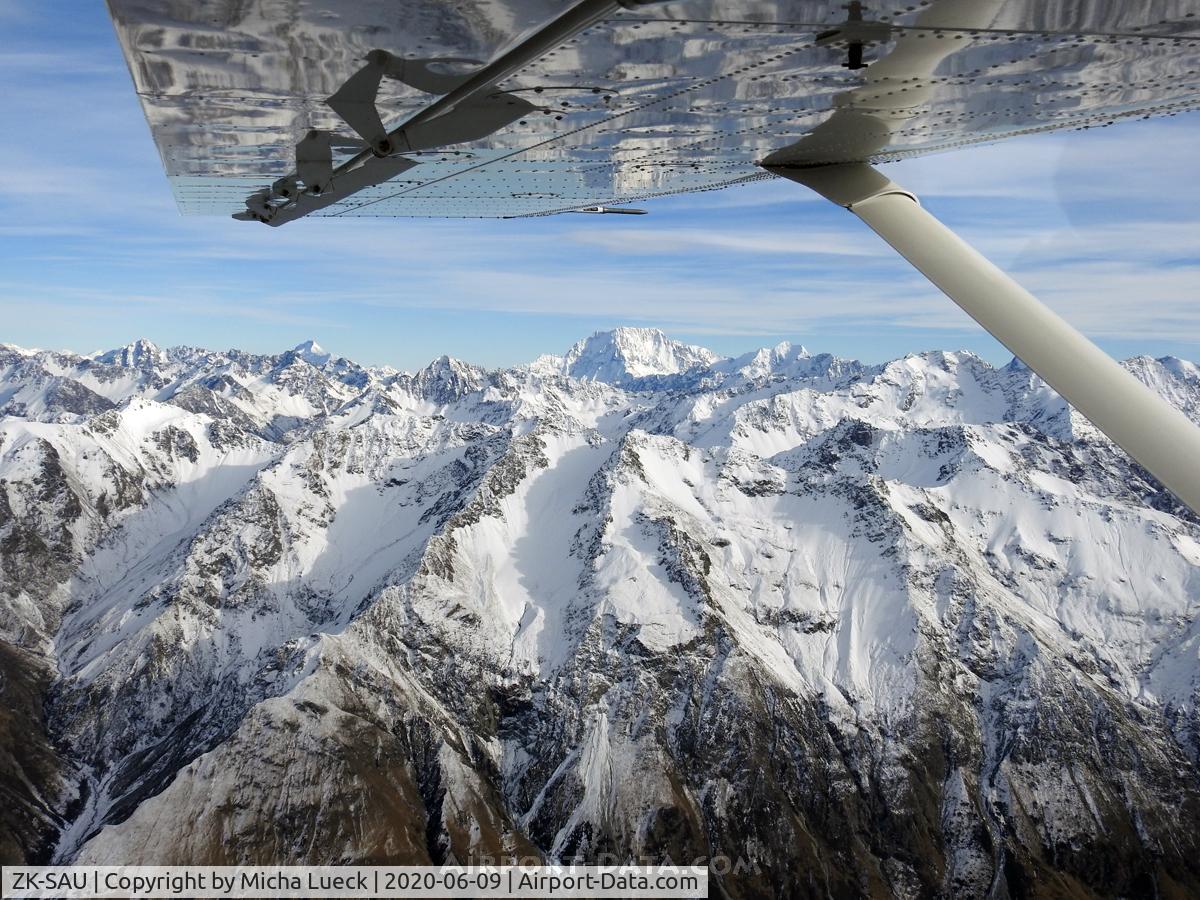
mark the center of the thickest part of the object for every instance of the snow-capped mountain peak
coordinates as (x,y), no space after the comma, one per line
(139,354)
(446,379)
(312,353)
(770,360)
(625,354)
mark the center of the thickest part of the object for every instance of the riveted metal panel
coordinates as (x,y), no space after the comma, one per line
(658,99)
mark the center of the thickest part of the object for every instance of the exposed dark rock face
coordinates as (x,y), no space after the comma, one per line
(33,776)
(912,630)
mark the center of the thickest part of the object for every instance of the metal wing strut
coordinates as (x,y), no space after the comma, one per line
(1150,429)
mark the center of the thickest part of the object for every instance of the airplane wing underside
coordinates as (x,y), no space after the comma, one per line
(529,107)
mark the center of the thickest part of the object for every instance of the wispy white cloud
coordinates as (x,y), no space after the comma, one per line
(1102,225)
(59,64)
(689,240)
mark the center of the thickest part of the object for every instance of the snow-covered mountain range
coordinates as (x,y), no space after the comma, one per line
(912,629)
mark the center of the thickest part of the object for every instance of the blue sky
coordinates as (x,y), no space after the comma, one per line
(1103,225)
